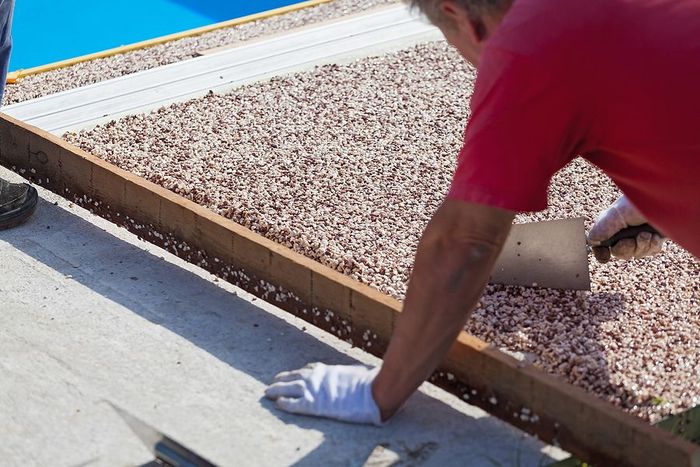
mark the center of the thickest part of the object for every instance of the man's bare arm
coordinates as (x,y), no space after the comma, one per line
(454,261)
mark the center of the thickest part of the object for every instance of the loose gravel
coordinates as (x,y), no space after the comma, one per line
(346,164)
(103,69)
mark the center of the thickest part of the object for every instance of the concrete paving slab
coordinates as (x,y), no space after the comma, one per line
(89,313)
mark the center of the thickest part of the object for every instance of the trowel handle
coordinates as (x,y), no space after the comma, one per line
(630,232)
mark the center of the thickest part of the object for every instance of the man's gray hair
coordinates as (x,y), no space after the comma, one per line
(475,8)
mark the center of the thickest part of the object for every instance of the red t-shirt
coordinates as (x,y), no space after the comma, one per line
(615,81)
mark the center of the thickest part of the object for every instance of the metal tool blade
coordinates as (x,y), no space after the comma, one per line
(548,254)
(166,450)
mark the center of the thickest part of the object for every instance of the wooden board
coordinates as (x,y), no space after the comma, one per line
(516,392)
(685,425)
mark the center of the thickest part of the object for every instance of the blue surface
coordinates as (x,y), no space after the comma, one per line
(46,31)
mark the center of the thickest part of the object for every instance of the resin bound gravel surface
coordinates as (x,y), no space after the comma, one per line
(346,164)
(83,74)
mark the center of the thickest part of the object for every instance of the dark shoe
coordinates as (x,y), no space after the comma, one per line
(17,203)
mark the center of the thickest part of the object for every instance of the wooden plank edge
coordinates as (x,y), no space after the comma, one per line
(517,393)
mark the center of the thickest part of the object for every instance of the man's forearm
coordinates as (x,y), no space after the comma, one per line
(449,275)
(455,257)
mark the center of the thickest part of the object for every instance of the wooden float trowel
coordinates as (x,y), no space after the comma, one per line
(551,254)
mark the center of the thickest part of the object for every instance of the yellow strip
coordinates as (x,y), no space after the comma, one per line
(15,75)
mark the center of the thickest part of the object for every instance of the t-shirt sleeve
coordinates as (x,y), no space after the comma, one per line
(522,130)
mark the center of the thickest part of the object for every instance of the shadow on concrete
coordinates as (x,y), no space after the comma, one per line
(257,343)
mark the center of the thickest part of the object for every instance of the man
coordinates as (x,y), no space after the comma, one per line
(17,200)
(615,81)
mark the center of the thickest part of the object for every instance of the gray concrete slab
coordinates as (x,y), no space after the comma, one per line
(90,313)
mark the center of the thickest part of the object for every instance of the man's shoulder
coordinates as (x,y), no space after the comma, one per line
(550,30)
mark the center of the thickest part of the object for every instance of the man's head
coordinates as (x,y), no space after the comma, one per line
(466,24)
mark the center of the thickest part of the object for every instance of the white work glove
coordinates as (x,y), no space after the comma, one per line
(620,215)
(342,392)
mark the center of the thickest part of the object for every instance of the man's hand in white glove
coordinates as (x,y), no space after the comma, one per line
(620,215)
(340,392)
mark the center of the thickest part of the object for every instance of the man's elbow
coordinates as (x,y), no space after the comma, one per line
(460,245)
(467,225)
(458,261)
(472,240)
